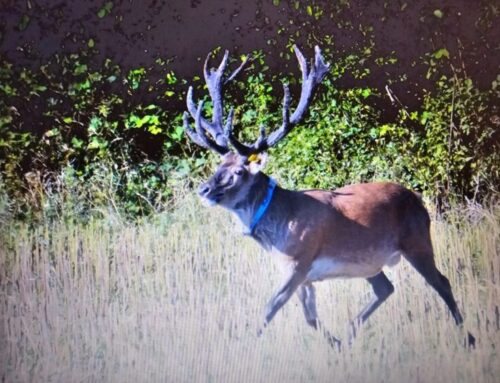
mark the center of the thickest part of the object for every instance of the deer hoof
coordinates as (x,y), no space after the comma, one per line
(470,341)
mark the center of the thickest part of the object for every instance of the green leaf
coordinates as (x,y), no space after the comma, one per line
(384,129)
(83,85)
(177,133)
(154,129)
(105,9)
(103,110)
(141,121)
(40,88)
(91,43)
(23,23)
(153,119)
(440,53)
(424,117)
(80,68)
(135,76)
(95,143)
(52,132)
(94,125)
(438,13)
(151,107)
(76,143)
(170,78)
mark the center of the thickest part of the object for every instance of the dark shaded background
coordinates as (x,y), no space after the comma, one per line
(135,33)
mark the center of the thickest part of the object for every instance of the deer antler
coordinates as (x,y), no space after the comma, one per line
(215,82)
(222,136)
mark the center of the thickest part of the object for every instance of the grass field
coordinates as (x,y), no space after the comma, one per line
(180,300)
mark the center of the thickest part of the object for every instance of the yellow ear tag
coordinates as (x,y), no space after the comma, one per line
(254,158)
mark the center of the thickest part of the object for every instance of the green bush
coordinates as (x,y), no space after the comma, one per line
(82,137)
(448,148)
(66,124)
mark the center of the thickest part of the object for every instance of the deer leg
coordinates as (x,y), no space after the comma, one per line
(283,295)
(424,264)
(307,296)
(382,288)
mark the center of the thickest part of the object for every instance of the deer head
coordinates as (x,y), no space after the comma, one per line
(239,172)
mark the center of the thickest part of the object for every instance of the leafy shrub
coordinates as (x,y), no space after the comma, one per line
(448,148)
(81,138)
(67,122)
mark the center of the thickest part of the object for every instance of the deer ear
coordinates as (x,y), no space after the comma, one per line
(256,162)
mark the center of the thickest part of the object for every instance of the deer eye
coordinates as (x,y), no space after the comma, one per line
(238,172)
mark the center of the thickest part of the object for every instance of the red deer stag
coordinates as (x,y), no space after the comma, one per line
(353,231)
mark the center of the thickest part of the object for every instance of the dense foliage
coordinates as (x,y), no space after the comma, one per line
(115,138)
(101,139)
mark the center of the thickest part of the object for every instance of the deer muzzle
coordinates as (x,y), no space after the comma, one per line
(208,194)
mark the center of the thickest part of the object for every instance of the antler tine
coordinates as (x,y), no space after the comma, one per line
(191,106)
(228,128)
(199,136)
(201,133)
(191,133)
(213,79)
(310,79)
(286,126)
(237,70)
(262,140)
(302,63)
(319,63)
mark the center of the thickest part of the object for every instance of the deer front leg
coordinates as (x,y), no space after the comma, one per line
(291,284)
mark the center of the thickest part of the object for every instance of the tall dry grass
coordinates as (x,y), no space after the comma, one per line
(180,300)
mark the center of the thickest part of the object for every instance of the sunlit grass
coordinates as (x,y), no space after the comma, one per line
(180,300)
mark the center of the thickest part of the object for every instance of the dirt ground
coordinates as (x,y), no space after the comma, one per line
(135,33)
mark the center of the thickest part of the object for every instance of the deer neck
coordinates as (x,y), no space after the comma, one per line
(252,210)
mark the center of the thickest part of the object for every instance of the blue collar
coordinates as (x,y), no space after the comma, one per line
(263,206)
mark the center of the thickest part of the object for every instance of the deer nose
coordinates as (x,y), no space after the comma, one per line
(203,190)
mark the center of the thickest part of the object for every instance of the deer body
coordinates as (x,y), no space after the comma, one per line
(350,232)
(339,233)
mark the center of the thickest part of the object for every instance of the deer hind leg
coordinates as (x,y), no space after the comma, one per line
(424,264)
(383,288)
(307,296)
